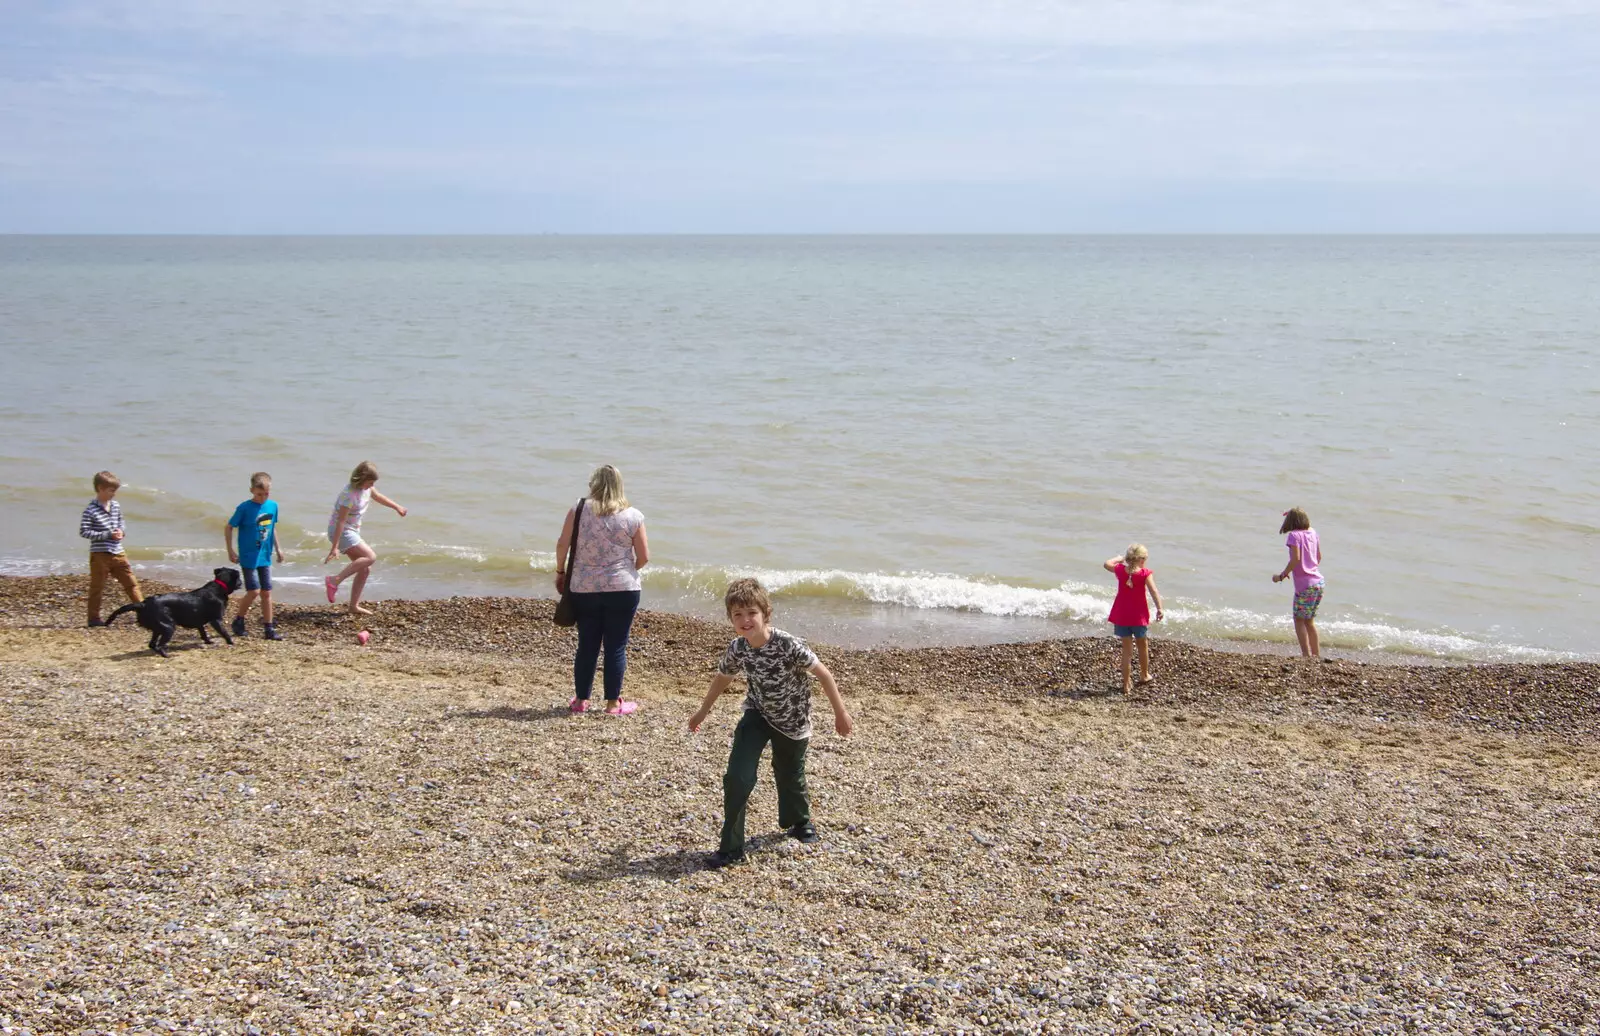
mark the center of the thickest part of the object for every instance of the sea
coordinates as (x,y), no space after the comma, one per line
(910,440)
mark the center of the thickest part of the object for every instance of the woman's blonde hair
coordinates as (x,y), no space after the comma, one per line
(1135,557)
(1295,519)
(605,491)
(366,471)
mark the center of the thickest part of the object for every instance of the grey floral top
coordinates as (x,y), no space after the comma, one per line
(605,551)
(780,686)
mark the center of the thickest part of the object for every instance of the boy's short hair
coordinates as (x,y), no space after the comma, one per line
(106,480)
(747,593)
(261,480)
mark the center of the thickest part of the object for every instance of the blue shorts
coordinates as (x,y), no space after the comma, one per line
(257,578)
(1136,632)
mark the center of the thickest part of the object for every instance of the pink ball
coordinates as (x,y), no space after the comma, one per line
(362,637)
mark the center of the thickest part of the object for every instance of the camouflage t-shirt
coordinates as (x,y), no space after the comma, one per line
(780,686)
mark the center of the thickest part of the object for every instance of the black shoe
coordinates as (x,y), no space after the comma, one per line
(238,627)
(269,632)
(95,624)
(719,859)
(804,833)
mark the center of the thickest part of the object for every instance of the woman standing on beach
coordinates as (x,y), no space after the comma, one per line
(604,584)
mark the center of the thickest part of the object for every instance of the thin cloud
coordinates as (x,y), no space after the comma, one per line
(709,26)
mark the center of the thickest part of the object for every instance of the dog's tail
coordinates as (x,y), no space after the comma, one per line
(135,606)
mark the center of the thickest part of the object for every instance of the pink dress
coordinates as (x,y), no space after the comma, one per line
(1132,607)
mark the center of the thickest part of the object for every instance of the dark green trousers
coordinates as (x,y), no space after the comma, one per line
(788,769)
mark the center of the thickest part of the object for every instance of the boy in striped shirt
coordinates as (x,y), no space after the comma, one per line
(101,525)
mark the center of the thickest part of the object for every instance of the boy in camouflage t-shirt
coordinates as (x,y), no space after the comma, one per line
(778,668)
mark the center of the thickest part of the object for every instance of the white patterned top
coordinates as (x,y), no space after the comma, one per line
(355,499)
(605,551)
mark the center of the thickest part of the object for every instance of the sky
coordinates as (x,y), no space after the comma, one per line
(833,116)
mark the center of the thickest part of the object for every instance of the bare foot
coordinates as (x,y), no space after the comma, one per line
(1148,679)
(360,609)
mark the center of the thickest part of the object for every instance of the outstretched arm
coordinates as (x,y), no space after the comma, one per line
(385,501)
(719,683)
(841,716)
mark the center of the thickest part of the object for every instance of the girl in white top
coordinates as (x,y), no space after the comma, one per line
(612,548)
(344,533)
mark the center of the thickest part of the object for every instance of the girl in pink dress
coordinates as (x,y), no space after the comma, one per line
(1130,612)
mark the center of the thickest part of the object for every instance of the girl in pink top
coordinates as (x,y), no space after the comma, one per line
(1130,612)
(1305,560)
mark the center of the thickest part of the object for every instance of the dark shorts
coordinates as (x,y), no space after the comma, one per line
(1136,632)
(257,578)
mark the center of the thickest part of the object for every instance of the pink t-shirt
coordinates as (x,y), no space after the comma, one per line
(1306,573)
(1132,607)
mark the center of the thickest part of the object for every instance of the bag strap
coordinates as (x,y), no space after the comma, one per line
(572,548)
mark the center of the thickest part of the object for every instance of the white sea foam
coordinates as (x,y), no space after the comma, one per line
(452,550)
(194,554)
(15,566)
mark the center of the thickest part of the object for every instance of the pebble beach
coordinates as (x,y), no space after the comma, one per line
(415,836)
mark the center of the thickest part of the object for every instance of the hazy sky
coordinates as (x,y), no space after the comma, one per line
(836,115)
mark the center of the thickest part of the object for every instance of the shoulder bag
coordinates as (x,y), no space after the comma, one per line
(566,614)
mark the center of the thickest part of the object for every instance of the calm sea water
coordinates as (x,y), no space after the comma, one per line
(913,439)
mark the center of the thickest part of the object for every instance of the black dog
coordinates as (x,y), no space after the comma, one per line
(194,609)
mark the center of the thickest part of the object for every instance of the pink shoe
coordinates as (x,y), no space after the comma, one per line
(578,705)
(623,708)
(332,587)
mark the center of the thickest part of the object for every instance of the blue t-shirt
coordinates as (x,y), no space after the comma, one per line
(257,524)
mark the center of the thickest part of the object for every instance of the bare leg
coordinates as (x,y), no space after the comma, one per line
(246,601)
(1303,636)
(1127,664)
(356,586)
(1311,640)
(1144,660)
(266,607)
(361,558)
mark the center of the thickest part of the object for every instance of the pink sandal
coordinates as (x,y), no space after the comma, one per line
(577,705)
(624,708)
(332,587)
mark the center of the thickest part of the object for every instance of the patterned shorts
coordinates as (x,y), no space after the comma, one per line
(1306,601)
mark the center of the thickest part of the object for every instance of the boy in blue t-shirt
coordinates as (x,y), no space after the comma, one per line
(257,522)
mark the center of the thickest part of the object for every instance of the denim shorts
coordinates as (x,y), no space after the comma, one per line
(1136,632)
(257,578)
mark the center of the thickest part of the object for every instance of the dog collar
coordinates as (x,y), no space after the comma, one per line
(220,583)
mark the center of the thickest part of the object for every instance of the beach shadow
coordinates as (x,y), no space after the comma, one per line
(620,864)
(661,867)
(172,649)
(513,715)
(1087,690)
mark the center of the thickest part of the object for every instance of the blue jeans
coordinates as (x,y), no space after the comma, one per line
(604,619)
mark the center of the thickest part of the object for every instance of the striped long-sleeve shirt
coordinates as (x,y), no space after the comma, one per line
(98,524)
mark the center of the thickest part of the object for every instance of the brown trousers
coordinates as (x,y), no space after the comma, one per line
(101,565)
